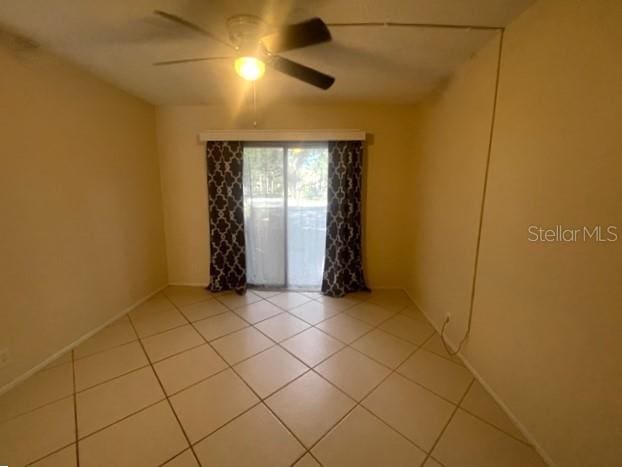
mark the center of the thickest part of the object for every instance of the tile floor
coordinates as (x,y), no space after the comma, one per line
(269,379)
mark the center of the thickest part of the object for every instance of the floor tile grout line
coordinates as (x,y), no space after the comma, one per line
(258,321)
(373,328)
(75,405)
(179,309)
(451,417)
(176,392)
(116,346)
(155,362)
(129,372)
(495,426)
(229,309)
(446,359)
(318,322)
(315,458)
(361,337)
(51,453)
(233,308)
(196,383)
(139,340)
(213,374)
(421,385)
(228,333)
(164,391)
(207,298)
(378,327)
(286,315)
(338,312)
(125,417)
(279,344)
(293,464)
(75,421)
(147,365)
(401,338)
(142,409)
(158,333)
(272,339)
(419,346)
(34,409)
(435,460)
(174,457)
(152,404)
(298,459)
(273,392)
(327,357)
(438,354)
(220,313)
(204,298)
(357,403)
(287,310)
(176,353)
(246,410)
(261,401)
(321,302)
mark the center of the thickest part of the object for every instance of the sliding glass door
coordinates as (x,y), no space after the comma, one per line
(285,191)
(264,215)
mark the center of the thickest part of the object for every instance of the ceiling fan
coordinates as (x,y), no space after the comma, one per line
(256,46)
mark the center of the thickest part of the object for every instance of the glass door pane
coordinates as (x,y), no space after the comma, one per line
(307,190)
(264,215)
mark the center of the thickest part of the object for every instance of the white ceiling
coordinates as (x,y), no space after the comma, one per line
(119,39)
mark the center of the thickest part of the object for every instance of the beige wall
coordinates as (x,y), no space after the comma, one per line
(450,144)
(547,321)
(80,199)
(182,163)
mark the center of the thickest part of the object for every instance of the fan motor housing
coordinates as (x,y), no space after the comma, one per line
(245,31)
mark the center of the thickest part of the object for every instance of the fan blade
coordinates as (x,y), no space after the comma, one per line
(194,27)
(301,72)
(295,36)
(190,60)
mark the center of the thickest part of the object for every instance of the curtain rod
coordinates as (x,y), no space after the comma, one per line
(282,135)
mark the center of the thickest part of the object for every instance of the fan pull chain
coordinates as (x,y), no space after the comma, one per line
(254,105)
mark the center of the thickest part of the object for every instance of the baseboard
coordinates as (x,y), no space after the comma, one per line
(528,436)
(188,284)
(196,284)
(11,384)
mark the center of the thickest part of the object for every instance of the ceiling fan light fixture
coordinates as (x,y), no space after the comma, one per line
(250,68)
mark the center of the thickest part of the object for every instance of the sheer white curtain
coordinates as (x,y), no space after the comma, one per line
(285,190)
(264,216)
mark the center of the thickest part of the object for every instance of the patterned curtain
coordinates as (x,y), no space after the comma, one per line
(343,265)
(226,216)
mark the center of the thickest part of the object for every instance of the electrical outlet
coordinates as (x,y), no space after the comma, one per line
(4,357)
